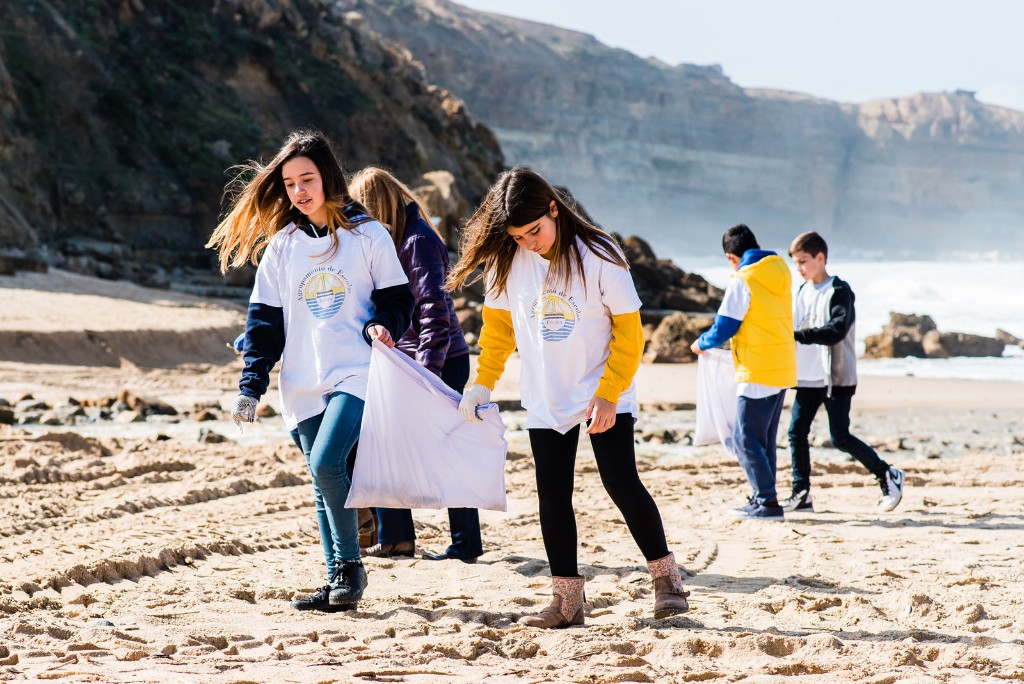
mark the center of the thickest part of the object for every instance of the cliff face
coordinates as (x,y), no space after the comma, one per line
(118,118)
(677,154)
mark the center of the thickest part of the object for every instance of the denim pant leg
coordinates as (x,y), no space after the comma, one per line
(338,431)
(838,409)
(322,521)
(752,435)
(773,435)
(465,527)
(805,406)
(395,525)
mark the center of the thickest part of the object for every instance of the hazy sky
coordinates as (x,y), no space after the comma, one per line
(847,50)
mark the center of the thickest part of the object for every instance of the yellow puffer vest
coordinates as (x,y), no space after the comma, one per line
(763,348)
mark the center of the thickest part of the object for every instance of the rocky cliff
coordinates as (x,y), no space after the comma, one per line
(118,118)
(676,154)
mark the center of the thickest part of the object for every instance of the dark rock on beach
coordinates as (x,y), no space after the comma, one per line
(911,335)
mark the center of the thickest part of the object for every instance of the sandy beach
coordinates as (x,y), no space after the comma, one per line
(134,552)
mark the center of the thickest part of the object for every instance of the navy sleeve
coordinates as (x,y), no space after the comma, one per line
(262,347)
(841,315)
(392,309)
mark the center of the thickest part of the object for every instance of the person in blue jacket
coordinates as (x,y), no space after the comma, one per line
(328,282)
(434,339)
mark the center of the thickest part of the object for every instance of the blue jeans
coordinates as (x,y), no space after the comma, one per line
(754,436)
(396,523)
(837,407)
(326,440)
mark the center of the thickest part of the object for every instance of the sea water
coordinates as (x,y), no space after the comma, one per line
(973,295)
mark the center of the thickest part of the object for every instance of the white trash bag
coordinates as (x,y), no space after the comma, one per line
(716,399)
(415,448)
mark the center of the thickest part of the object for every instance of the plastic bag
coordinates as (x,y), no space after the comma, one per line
(716,398)
(415,448)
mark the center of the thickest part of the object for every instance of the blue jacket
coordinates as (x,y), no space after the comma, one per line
(435,334)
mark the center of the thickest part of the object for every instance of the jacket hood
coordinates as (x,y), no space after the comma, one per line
(767,268)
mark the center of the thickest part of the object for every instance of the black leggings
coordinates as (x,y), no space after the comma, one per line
(555,458)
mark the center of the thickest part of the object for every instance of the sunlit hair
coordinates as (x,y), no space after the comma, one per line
(810,243)
(260,207)
(385,198)
(519,197)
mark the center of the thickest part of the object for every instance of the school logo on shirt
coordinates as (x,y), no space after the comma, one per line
(556,314)
(323,291)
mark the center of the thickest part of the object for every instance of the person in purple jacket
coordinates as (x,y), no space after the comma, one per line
(434,339)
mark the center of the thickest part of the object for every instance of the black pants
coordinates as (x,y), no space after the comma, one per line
(555,458)
(805,405)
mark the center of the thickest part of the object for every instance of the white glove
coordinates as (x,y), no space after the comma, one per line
(244,410)
(473,396)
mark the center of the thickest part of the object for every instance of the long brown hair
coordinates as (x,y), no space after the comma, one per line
(260,207)
(385,198)
(521,196)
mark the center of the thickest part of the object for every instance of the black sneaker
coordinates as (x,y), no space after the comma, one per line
(318,601)
(347,584)
(799,501)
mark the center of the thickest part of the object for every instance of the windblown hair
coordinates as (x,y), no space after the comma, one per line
(260,207)
(809,242)
(738,240)
(386,198)
(519,197)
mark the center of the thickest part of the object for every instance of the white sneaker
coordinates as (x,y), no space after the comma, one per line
(799,501)
(892,489)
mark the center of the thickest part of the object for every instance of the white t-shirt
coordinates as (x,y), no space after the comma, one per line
(326,302)
(807,306)
(735,304)
(563,336)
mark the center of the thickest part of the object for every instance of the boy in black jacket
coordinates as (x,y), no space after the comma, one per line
(826,363)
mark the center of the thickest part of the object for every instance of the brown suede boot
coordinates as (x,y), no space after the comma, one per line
(669,597)
(367,528)
(565,609)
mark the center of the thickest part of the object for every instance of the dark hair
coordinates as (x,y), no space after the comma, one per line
(521,196)
(260,207)
(738,240)
(809,242)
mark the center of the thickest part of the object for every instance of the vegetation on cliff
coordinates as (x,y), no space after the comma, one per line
(119,118)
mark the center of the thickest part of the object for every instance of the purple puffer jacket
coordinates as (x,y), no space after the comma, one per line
(435,333)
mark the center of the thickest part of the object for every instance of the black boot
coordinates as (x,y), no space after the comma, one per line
(318,601)
(347,584)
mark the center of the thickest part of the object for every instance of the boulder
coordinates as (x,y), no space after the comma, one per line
(931,344)
(965,344)
(1008,338)
(661,284)
(144,405)
(637,249)
(438,191)
(902,336)
(671,340)
(912,335)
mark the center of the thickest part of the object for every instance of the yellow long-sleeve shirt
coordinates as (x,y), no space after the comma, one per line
(498,341)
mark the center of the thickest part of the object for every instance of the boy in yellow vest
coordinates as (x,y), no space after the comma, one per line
(757,314)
